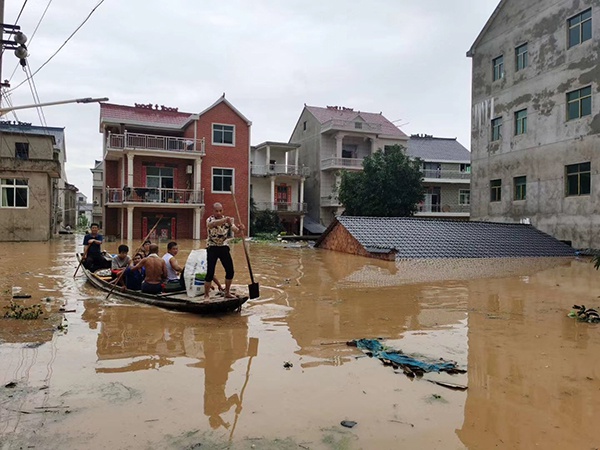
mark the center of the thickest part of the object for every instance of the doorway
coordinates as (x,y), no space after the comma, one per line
(166,229)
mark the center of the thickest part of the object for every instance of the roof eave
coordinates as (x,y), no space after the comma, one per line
(222,99)
(488,24)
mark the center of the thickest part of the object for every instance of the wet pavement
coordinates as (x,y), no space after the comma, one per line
(123,375)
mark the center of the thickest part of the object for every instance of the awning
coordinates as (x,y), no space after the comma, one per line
(313,226)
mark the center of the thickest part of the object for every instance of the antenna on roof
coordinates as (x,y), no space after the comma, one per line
(223,96)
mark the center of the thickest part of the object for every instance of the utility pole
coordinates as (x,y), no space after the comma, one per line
(1,39)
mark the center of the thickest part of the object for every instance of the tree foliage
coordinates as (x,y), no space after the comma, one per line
(390,185)
(263,221)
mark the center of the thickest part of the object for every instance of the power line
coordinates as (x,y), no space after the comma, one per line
(35,95)
(16,22)
(63,44)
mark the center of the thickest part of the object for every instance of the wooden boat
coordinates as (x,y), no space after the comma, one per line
(178,301)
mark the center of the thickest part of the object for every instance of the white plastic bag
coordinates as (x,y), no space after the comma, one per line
(195,272)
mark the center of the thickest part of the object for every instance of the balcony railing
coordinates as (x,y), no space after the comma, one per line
(154,142)
(341,163)
(293,207)
(447,174)
(351,125)
(279,169)
(154,195)
(330,200)
(443,208)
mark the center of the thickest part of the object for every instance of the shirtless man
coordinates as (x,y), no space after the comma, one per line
(156,271)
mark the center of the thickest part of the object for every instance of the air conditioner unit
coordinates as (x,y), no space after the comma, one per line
(189,169)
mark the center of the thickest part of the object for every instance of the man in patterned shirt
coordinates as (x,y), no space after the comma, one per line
(219,227)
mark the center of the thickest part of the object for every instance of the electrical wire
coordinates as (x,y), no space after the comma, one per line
(11,32)
(35,95)
(63,44)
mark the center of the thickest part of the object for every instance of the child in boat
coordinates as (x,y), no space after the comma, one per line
(134,278)
(120,261)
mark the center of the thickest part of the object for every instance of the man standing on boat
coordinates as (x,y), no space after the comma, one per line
(156,271)
(92,250)
(219,228)
(174,270)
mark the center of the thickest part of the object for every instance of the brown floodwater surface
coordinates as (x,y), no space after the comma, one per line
(117,374)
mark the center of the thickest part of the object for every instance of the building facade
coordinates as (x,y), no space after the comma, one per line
(29,172)
(332,139)
(277,183)
(536,118)
(446,176)
(97,192)
(162,168)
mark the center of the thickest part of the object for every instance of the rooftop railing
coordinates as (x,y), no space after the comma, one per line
(279,169)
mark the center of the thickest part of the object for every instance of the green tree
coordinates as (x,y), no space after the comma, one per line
(263,221)
(82,221)
(390,185)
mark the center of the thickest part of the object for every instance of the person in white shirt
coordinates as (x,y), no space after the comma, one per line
(174,270)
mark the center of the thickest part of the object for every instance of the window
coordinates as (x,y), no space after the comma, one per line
(580,28)
(465,168)
(496,129)
(304,126)
(579,103)
(578,177)
(522,57)
(498,64)
(15,193)
(358,125)
(223,134)
(495,190)
(520,184)
(222,180)
(97,176)
(521,122)
(21,150)
(464,196)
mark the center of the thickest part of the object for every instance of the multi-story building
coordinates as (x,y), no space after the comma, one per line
(277,183)
(446,176)
(97,190)
(536,118)
(336,138)
(30,168)
(71,206)
(163,166)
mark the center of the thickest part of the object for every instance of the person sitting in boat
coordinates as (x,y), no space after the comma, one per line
(174,270)
(120,262)
(134,278)
(92,250)
(145,250)
(156,271)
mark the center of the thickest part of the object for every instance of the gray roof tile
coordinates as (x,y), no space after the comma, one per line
(430,148)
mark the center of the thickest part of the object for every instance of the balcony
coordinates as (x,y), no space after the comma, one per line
(350,125)
(342,163)
(441,210)
(293,207)
(279,169)
(49,166)
(330,201)
(137,141)
(163,196)
(444,174)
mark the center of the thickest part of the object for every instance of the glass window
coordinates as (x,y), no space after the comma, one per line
(222,180)
(464,196)
(522,57)
(223,134)
(580,28)
(520,185)
(15,193)
(21,150)
(358,125)
(496,129)
(578,179)
(579,103)
(521,122)
(498,65)
(465,168)
(495,190)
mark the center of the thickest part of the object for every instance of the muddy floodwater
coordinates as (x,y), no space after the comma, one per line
(113,374)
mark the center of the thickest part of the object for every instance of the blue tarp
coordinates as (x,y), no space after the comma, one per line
(379,351)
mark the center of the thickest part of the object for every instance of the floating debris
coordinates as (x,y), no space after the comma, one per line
(288,365)
(348,423)
(583,314)
(15,311)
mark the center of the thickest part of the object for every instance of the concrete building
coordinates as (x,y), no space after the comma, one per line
(277,183)
(162,166)
(536,118)
(97,189)
(30,168)
(70,206)
(446,176)
(334,138)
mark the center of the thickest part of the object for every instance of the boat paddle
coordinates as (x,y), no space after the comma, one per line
(83,256)
(252,351)
(137,250)
(253,290)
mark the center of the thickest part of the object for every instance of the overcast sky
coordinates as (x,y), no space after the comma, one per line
(405,58)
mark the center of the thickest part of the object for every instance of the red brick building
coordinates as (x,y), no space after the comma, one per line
(160,163)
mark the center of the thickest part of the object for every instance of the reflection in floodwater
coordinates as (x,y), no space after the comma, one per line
(158,379)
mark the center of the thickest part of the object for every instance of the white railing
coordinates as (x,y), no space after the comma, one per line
(330,200)
(443,208)
(445,173)
(154,142)
(153,195)
(295,207)
(351,125)
(341,163)
(279,169)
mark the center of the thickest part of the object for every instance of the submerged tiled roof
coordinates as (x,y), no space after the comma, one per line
(324,115)
(431,148)
(420,238)
(110,113)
